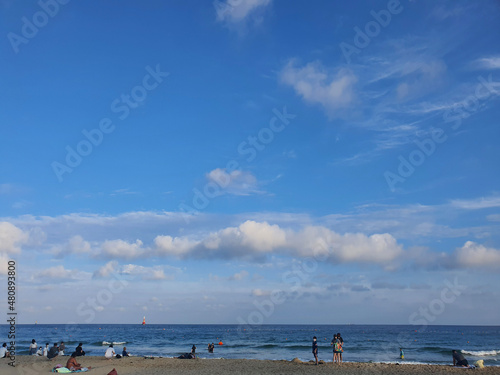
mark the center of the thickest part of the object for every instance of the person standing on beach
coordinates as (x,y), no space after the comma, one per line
(193,351)
(315,349)
(341,340)
(334,340)
(46,349)
(33,347)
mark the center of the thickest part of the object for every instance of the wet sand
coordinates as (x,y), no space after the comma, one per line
(29,365)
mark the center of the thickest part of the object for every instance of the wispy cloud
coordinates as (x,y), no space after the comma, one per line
(235,182)
(333,89)
(488,63)
(134,270)
(476,203)
(238,11)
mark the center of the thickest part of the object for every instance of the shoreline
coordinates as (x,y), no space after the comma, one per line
(26,364)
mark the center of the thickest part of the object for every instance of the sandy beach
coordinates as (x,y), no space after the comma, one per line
(139,365)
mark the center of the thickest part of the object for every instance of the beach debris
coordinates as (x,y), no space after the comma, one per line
(296,360)
(113,372)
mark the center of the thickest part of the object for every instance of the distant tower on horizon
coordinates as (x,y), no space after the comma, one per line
(144,321)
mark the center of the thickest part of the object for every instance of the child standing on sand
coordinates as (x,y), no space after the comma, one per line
(334,340)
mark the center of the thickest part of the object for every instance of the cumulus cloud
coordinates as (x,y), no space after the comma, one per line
(249,240)
(3,264)
(11,238)
(75,245)
(334,91)
(107,269)
(122,249)
(237,11)
(348,247)
(255,240)
(475,255)
(235,182)
(178,246)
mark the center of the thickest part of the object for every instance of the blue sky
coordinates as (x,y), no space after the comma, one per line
(196,161)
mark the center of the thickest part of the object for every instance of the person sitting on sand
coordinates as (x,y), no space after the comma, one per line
(315,349)
(79,350)
(125,353)
(62,347)
(53,352)
(110,352)
(3,351)
(39,352)
(459,359)
(73,365)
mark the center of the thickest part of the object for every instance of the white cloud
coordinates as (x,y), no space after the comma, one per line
(348,247)
(4,259)
(476,255)
(492,62)
(476,203)
(122,249)
(107,269)
(260,293)
(178,246)
(75,245)
(239,276)
(11,238)
(59,274)
(236,182)
(236,11)
(146,273)
(254,240)
(315,84)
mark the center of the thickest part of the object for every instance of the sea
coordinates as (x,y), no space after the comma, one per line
(362,343)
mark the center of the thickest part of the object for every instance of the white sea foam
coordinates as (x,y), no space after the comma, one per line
(481,353)
(114,343)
